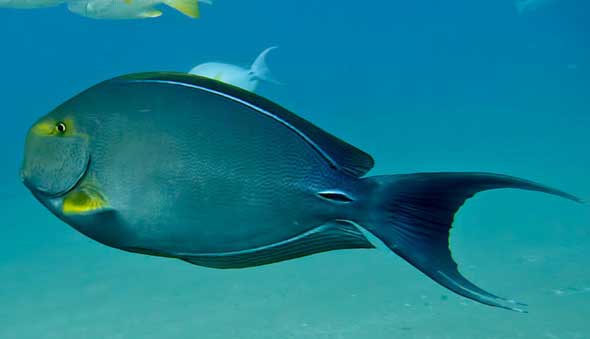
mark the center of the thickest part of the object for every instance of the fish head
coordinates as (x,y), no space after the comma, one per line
(57,168)
(56,155)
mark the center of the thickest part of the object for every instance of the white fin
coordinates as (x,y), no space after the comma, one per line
(259,68)
(150,13)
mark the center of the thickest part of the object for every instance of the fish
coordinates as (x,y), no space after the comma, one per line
(185,167)
(247,79)
(132,9)
(527,6)
(30,4)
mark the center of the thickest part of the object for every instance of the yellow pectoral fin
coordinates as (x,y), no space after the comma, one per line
(189,8)
(84,201)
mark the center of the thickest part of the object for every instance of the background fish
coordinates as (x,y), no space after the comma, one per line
(181,166)
(29,4)
(247,79)
(132,9)
(527,6)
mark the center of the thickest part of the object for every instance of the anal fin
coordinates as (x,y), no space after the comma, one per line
(334,235)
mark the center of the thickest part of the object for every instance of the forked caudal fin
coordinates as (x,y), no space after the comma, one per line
(189,8)
(259,68)
(413,214)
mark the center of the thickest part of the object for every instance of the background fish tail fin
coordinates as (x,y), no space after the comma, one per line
(189,8)
(260,68)
(413,214)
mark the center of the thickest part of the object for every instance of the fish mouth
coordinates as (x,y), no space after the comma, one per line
(40,194)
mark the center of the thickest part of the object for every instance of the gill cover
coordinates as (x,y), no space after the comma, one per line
(54,164)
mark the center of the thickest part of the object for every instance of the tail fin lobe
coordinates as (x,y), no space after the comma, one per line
(414,214)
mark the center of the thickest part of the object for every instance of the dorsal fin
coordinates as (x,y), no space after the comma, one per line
(339,154)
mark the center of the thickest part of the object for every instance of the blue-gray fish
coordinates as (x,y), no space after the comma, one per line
(186,167)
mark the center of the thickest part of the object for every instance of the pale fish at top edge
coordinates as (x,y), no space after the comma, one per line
(30,4)
(132,9)
(244,78)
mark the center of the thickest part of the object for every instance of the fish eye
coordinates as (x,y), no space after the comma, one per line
(61,127)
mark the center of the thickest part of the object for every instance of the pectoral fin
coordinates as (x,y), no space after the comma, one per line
(152,13)
(84,201)
(218,76)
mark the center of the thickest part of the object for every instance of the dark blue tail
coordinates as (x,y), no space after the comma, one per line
(413,214)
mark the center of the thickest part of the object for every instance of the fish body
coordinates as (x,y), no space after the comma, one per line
(30,4)
(186,167)
(245,78)
(131,9)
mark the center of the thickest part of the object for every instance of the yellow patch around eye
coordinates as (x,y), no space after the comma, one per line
(49,127)
(70,127)
(84,200)
(44,128)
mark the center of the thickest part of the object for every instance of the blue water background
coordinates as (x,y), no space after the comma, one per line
(420,85)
